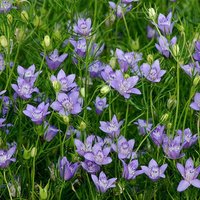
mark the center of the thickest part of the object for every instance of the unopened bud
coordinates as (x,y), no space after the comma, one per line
(152,13)
(110,20)
(113,62)
(3,41)
(175,50)
(66,119)
(105,89)
(171,102)
(135,44)
(126,76)
(19,34)
(47,41)
(33,152)
(165,117)
(26,153)
(196,80)
(56,86)
(82,91)
(24,16)
(37,21)
(169,126)
(150,58)
(82,126)
(9,18)
(43,192)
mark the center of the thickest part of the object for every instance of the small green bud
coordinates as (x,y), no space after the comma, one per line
(196,80)
(126,76)
(27,153)
(24,16)
(19,34)
(47,41)
(37,22)
(3,41)
(175,50)
(135,44)
(113,62)
(110,20)
(66,119)
(171,102)
(105,89)
(165,117)
(169,126)
(82,91)
(150,58)
(82,126)
(56,86)
(9,18)
(152,14)
(43,192)
(33,152)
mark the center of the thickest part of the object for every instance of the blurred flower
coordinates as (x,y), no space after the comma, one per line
(50,132)
(67,169)
(157,135)
(67,104)
(95,69)
(152,73)
(102,183)
(151,33)
(100,104)
(120,9)
(164,46)
(72,131)
(196,104)
(153,171)
(2,120)
(6,156)
(128,59)
(90,167)
(108,74)
(83,26)
(173,147)
(187,138)
(29,74)
(196,54)
(54,60)
(124,148)
(191,69)
(99,154)
(5,6)
(190,174)
(80,46)
(165,24)
(24,89)
(37,114)
(96,50)
(130,170)
(2,63)
(66,82)
(125,86)
(111,128)
(143,126)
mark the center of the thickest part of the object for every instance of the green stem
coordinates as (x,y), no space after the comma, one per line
(126,119)
(4,175)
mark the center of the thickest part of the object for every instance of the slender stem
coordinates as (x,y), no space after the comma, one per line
(4,175)
(126,119)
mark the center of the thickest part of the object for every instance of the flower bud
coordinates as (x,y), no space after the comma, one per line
(110,20)
(37,22)
(175,50)
(150,58)
(82,91)
(3,41)
(66,119)
(105,89)
(82,126)
(24,16)
(47,41)
(169,126)
(9,18)
(196,80)
(152,13)
(33,152)
(171,103)
(135,44)
(19,34)
(126,76)
(112,62)
(43,192)
(56,86)
(26,153)
(165,117)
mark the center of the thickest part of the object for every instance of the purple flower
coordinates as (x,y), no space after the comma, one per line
(128,1)
(196,104)
(72,131)
(102,183)
(96,50)
(187,137)
(164,46)
(90,167)
(67,104)
(152,73)
(80,46)
(24,89)
(165,24)
(127,59)
(54,60)
(50,132)
(100,104)
(37,114)
(112,128)
(6,156)
(153,171)
(125,86)
(2,63)
(2,120)
(83,26)
(120,9)
(96,68)
(99,154)
(6,104)
(143,126)
(2,92)
(124,148)
(196,54)
(157,135)
(29,74)
(66,82)
(130,170)
(151,33)
(190,174)
(173,147)
(67,169)
(192,69)
(5,6)
(108,74)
